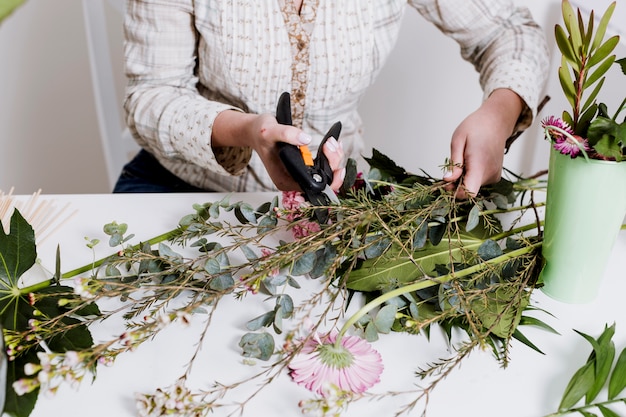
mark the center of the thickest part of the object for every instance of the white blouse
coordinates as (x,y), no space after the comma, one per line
(188,60)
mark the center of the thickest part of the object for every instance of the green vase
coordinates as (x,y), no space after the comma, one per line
(585,208)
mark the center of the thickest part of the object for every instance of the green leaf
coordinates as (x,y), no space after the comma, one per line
(245,213)
(603,51)
(20,405)
(578,386)
(248,253)
(222,282)
(604,360)
(565,47)
(489,250)
(599,72)
(304,264)
(567,84)
(17,252)
(602,26)
(385,317)
(498,310)
(377,273)
(606,412)
(622,64)
(376,245)
(257,345)
(522,338)
(473,218)
(617,383)
(572,27)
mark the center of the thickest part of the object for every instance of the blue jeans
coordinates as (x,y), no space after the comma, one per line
(144,174)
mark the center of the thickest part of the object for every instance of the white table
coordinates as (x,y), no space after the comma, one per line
(530,387)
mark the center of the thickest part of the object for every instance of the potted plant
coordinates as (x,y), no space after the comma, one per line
(586,197)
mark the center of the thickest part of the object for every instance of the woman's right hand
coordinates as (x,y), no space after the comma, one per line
(262,133)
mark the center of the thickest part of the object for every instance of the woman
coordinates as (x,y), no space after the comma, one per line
(205,77)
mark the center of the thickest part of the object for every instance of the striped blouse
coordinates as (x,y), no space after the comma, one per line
(188,60)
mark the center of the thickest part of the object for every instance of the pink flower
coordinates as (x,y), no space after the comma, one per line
(304,228)
(293,200)
(352,366)
(563,138)
(556,129)
(572,145)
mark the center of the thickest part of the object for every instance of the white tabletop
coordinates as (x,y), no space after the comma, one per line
(531,386)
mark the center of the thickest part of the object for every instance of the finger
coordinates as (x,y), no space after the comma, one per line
(470,186)
(457,160)
(292,135)
(333,150)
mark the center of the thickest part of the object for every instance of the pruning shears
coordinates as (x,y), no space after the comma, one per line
(313,176)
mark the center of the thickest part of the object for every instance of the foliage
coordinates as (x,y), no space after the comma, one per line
(597,373)
(420,257)
(586,58)
(22,311)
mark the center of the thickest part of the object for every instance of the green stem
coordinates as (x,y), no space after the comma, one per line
(45,284)
(89,267)
(586,407)
(428,283)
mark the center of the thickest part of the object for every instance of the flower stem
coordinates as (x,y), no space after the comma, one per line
(157,239)
(429,283)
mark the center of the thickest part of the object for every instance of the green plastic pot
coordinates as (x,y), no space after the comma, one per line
(585,208)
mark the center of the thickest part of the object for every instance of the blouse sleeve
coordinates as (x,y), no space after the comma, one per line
(164,109)
(502,41)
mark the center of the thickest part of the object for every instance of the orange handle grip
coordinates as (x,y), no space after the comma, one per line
(306,155)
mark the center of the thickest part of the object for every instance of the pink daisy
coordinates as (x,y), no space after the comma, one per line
(572,145)
(563,138)
(556,129)
(352,365)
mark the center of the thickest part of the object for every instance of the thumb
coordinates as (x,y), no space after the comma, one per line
(292,135)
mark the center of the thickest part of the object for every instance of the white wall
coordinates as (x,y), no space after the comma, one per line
(48,129)
(48,132)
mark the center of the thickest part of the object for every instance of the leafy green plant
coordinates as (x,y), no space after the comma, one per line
(22,309)
(585,59)
(598,373)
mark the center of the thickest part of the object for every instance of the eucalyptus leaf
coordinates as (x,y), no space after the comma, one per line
(376,245)
(245,213)
(421,233)
(371,333)
(248,253)
(278,320)
(257,345)
(264,320)
(285,303)
(222,282)
(384,318)
(304,264)
(473,218)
